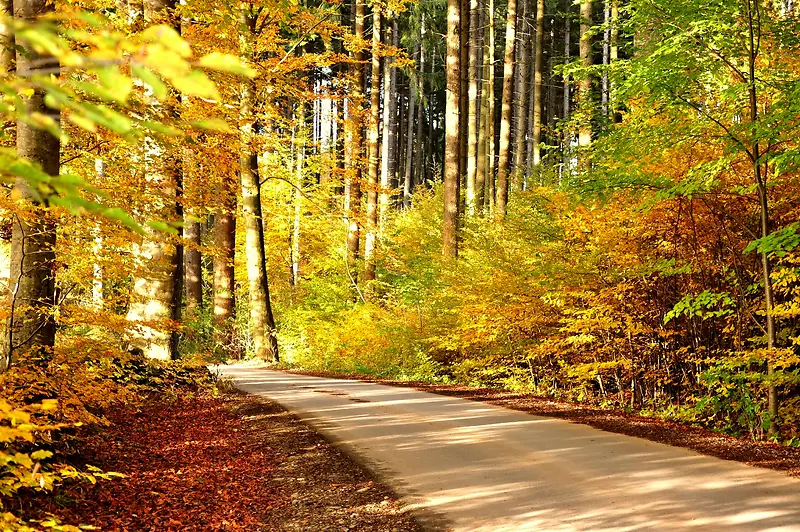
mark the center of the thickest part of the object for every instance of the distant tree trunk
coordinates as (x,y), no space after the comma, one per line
(370,241)
(98,295)
(566,111)
(419,151)
(299,150)
(452,155)
(156,279)
(606,57)
(472,108)
(192,268)
(262,322)
(31,298)
(505,112)
(354,147)
(408,178)
(585,87)
(485,96)
(463,95)
(537,86)
(490,111)
(224,287)
(614,55)
(389,134)
(523,41)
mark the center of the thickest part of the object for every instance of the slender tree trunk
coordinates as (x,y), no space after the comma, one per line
(537,86)
(389,133)
(472,107)
(567,166)
(262,321)
(193,275)
(224,289)
(523,41)
(463,95)
(156,279)
(614,54)
(606,57)
(299,149)
(585,87)
(31,297)
(419,168)
(753,11)
(452,178)
(354,147)
(485,96)
(505,112)
(408,181)
(370,242)
(489,199)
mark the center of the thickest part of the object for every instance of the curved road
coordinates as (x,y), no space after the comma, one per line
(474,466)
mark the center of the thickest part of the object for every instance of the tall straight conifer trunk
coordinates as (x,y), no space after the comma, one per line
(389,141)
(472,111)
(31,299)
(354,146)
(262,321)
(452,141)
(371,239)
(537,85)
(521,99)
(156,286)
(585,86)
(192,268)
(505,112)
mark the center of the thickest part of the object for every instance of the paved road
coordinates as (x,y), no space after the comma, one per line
(481,467)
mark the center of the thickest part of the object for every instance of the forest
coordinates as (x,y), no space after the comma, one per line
(592,200)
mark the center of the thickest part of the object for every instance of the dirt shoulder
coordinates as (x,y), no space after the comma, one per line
(232,463)
(760,454)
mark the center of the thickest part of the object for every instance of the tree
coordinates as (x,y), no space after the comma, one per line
(537,86)
(371,240)
(31,297)
(585,87)
(224,259)
(505,112)
(452,154)
(262,321)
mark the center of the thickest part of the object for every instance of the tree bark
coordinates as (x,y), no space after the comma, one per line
(505,112)
(452,155)
(262,321)
(585,87)
(472,108)
(489,199)
(371,239)
(388,151)
(408,178)
(31,297)
(154,297)
(224,287)
(521,101)
(354,147)
(192,268)
(537,86)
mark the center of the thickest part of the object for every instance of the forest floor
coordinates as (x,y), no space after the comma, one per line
(739,449)
(234,462)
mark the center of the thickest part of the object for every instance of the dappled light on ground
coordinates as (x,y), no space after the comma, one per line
(487,468)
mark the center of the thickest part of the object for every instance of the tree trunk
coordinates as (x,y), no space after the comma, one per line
(523,41)
(31,297)
(452,155)
(224,288)
(485,96)
(370,241)
(505,112)
(463,95)
(389,134)
(408,179)
(489,199)
(354,148)
(154,295)
(7,54)
(299,151)
(419,162)
(262,322)
(193,275)
(585,87)
(537,86)
(472,108)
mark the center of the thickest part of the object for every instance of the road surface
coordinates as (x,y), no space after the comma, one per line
(470,466)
